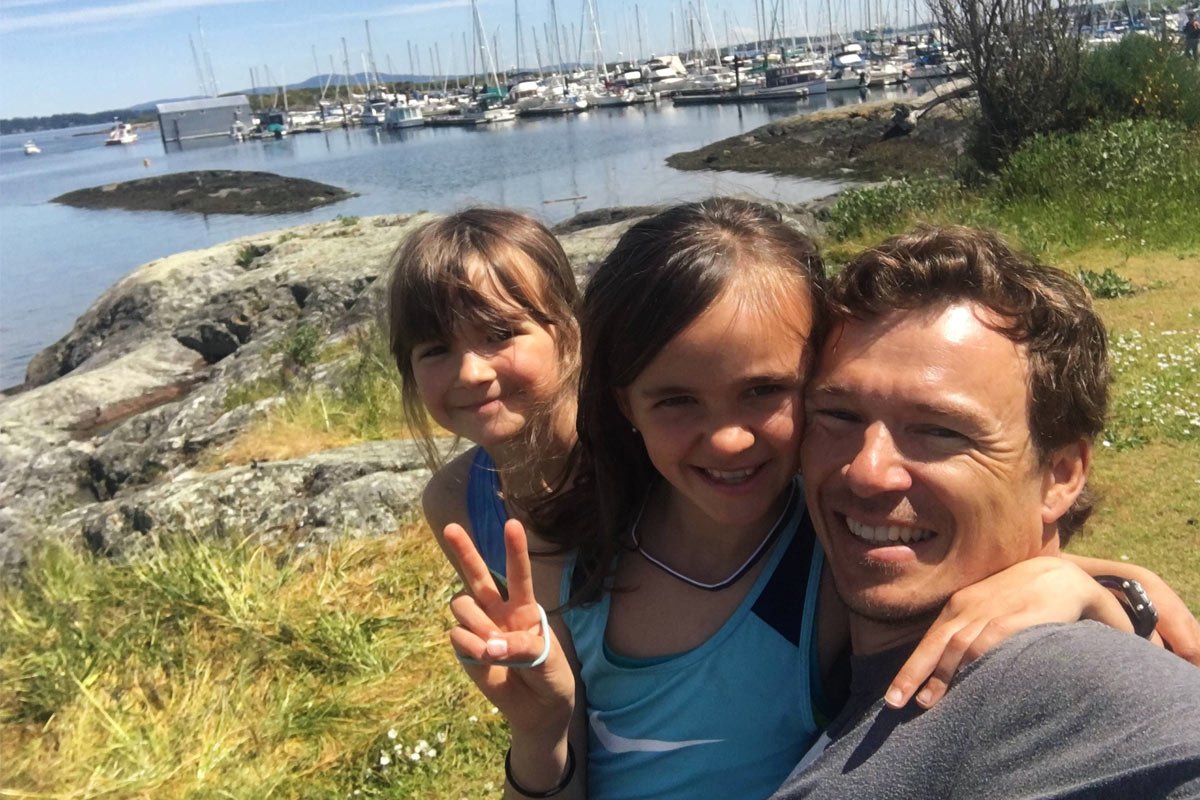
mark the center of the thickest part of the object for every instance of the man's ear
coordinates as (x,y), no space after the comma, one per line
(1064,478)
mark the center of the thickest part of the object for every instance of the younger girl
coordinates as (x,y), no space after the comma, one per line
(482,328)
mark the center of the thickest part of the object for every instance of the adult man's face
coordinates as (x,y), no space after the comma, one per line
(919,465)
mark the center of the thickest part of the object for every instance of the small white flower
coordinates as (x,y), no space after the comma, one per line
(398,749)
(441,737)
(489,787)
(384,759)
(392,733)
(472,718)
(432,752)
(414,756)
(1124,558)
(422,745)
(493,710)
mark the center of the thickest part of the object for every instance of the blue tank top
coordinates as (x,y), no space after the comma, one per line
(728,719)
(486,512)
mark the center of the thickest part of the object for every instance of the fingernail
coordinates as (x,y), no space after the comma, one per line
(893,698)
(924,697)
(497,648)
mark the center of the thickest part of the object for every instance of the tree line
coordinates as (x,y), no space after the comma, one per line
(72,120)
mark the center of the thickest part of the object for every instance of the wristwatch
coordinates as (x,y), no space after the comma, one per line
(1137,603)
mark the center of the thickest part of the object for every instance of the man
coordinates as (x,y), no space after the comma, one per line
(951,422)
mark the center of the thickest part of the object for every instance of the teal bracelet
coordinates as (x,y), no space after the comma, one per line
(537,662)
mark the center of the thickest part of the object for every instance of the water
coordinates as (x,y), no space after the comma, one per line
(56,260)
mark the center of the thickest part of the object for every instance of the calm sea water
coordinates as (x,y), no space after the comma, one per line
(55,260)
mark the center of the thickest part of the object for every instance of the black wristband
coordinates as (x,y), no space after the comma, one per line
(562,784)
(1137,603)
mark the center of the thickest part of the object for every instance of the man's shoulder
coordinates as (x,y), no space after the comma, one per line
(1067,662)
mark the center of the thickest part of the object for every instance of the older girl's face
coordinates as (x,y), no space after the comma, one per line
(721,414)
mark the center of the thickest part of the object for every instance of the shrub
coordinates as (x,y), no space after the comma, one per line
(1137,78)
(300,346)
(1107,285)
(1131,184)
(885,207)
(1024,58)
(248,253)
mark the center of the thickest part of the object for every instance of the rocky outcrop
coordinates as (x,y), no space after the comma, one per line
(365,489)
(115,439)
(210,192)
(854,142)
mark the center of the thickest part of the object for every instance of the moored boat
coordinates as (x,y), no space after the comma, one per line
(31,148)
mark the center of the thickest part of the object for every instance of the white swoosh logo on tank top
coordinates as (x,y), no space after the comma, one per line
(615,743)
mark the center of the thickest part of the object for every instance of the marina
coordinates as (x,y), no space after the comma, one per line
(552,167)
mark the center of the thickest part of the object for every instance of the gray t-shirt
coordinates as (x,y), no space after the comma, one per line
(1058,711)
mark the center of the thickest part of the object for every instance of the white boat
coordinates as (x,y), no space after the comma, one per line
(886,74)
(500,114)
(403,116)
(121,133)
(844,79)
(373,113)
(31,148)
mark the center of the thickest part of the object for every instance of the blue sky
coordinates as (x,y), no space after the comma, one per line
(93,55)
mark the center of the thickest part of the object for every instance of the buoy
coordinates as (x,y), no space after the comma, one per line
(145,162)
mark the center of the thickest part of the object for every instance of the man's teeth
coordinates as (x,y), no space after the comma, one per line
(730,476)
(887,533)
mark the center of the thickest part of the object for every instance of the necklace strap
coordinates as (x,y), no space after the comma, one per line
(737,574)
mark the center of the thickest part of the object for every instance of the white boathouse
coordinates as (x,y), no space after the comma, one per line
(188,120)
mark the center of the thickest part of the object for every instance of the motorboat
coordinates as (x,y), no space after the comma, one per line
(121,133)
(31,148)
(403,116)
(792,80)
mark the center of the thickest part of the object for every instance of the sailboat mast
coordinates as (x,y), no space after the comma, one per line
(199,72)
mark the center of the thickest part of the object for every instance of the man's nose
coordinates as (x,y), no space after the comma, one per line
(879,465)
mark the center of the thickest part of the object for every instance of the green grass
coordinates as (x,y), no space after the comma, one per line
(221,668)
(1128,186)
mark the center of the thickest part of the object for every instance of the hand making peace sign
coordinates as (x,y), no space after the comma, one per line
(506,635)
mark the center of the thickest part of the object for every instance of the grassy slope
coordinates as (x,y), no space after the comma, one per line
(1150,509)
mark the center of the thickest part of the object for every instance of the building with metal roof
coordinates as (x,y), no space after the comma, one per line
(207,117)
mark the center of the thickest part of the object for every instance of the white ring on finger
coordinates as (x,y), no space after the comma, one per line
(544,629)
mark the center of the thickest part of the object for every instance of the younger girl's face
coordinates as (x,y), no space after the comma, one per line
(486,384)
(720,411)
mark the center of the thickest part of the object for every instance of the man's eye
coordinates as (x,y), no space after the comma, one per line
(836,415)
(938,432)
